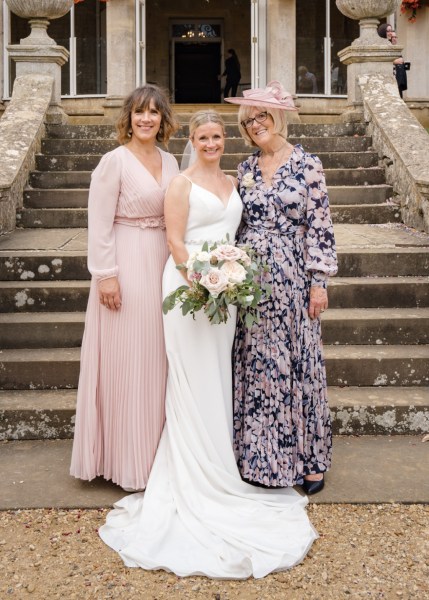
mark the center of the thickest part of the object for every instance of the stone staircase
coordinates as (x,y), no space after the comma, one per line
(376,332)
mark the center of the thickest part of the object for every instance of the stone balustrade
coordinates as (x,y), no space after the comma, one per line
(402,143)
(21,131)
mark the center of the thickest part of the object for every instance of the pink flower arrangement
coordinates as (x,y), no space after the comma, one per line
(411,5)
(220,275)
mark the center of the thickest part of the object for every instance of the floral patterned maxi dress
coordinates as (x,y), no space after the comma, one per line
(282,428)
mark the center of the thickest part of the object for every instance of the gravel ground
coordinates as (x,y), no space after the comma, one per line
(364,551)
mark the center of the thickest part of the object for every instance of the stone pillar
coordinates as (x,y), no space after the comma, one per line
(121,63)
(369,53)
(281,46)
(2,82)
(43,61)
(415,39)
(38,54)
(281,42)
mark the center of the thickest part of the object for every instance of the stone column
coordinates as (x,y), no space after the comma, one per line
(121,63)
(38,54)
(415,39)
(369,53)
(2,82)
(281,42)
(281,46)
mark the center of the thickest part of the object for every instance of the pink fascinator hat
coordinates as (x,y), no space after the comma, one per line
(273,96)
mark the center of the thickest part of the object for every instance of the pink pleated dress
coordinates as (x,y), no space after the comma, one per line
(120,403)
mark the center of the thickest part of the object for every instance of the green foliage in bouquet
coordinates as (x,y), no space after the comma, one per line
(221,275)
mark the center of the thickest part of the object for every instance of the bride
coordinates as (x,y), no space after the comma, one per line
(197,517)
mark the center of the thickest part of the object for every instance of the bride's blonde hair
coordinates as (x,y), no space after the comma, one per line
(202,117)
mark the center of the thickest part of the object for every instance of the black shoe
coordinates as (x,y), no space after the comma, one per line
(312,487)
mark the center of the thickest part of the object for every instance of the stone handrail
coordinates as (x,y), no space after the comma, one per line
(403,144)
(21,131)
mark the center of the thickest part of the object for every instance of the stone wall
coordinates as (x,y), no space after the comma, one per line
(21,131)
(402,144)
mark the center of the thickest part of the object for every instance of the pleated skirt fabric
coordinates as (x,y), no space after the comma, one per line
(120,406)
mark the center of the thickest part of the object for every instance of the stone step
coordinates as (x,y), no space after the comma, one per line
(355,326)
(378,292)
(379,410)
(35,474)
(232,145)
(49,368)
(78,197)
(52,217)
(364,326)
(49,414)
(355,194)
(294,129)
(44,296)
(330,160)
(355,262)
(77,217)
(360,213)
(376,365)
(41,330)
(344,292)
(79,179)
(58,368)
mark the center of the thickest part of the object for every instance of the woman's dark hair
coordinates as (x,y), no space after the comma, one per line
(382,30)
(140,99)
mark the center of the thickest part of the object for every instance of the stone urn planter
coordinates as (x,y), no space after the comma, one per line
(39,13)
(369,54)
(368,13)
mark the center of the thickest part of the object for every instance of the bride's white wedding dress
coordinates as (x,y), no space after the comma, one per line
(197,517)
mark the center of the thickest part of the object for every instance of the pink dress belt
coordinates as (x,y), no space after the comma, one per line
(142,222)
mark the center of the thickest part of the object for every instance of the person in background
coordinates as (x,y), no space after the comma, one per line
(307,82)
(120,401)
(399,67)
(384,30)
(232,73)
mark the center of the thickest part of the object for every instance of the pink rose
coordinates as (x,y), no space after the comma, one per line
(215,281)
(227,252)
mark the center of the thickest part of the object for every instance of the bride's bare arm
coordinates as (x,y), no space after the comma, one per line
(176,211)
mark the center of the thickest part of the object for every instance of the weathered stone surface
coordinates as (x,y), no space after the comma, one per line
(403,145)
(375,411)
(21,131)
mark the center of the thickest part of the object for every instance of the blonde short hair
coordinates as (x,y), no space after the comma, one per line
(278,116)
(202,117)
(140,98)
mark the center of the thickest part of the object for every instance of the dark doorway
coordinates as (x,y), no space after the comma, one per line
(196,71)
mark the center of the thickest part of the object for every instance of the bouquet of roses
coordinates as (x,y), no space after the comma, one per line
(220,274)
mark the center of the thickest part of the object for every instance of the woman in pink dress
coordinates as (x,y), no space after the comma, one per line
(120,403)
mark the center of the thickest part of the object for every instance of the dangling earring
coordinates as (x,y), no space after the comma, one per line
(130,132)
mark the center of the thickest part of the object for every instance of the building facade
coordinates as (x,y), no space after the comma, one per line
(182,45)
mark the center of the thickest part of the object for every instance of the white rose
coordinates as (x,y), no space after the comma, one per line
(249,299)
(248,180)
(191,260)
(227,252)
(215,281)
(235,272)
(203,256)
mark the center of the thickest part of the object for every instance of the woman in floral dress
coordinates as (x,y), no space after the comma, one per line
(282,428)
